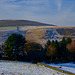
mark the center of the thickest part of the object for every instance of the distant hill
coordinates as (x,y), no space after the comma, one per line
(4,23)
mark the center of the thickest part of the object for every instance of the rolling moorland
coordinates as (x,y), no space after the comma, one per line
(8,27)
(35,31)
(39,34)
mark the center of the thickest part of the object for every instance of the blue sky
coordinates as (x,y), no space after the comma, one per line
(57,12)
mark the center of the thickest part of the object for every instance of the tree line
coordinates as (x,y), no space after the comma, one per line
(17,48)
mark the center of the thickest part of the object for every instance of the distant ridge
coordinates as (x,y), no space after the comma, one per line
(4,23)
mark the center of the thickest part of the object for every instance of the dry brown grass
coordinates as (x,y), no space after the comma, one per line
(36,35)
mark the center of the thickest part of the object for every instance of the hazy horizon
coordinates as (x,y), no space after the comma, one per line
(56,12)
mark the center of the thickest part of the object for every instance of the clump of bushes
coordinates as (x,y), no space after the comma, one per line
(33,52)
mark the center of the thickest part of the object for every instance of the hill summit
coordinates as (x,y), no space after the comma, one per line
(4,23)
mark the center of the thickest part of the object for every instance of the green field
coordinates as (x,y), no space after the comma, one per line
(8,28)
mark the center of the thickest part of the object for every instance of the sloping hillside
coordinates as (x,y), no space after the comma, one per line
(41,35)
(4,23)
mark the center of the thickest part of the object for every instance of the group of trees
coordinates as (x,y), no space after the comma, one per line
(58,51)
(17,48)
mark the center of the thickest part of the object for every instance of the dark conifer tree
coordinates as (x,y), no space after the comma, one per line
(13,46)
(47,44)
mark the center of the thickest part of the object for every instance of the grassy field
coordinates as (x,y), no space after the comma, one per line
(8,28)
